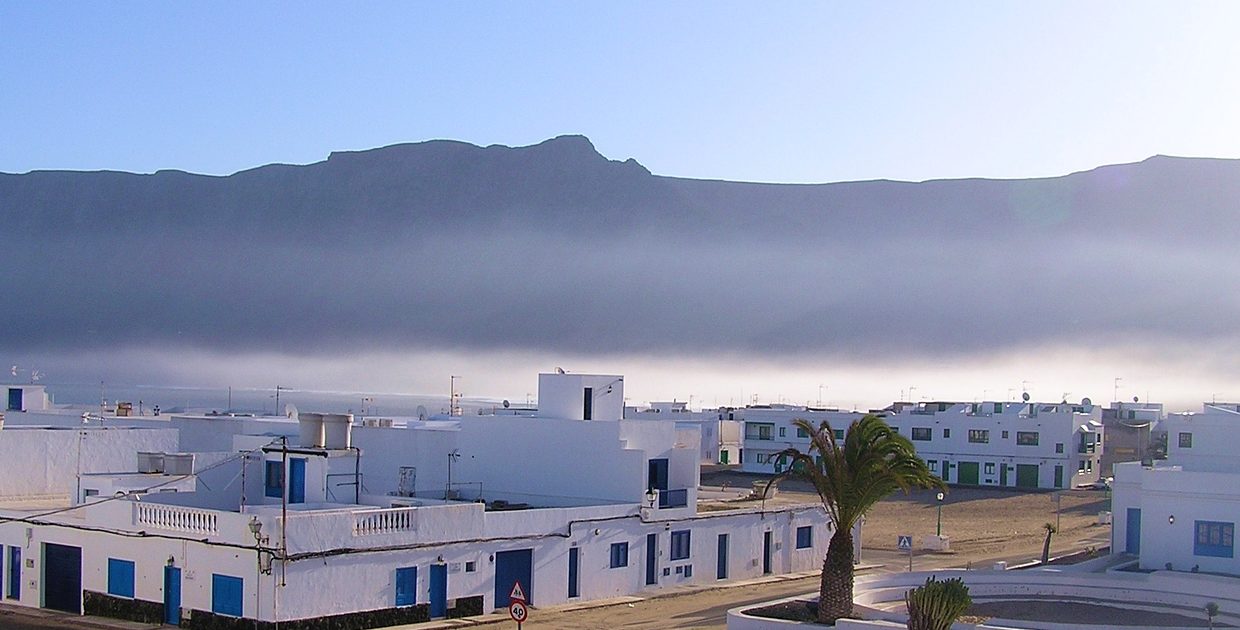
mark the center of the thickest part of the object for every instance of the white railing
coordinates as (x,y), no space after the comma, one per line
(176,518)
(385,521)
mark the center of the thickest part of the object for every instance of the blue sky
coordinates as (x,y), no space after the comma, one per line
(786,92)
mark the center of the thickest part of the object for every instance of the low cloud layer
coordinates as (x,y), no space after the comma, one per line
(553,250)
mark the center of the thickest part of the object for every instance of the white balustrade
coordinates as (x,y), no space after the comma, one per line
(385,521)
(175,518)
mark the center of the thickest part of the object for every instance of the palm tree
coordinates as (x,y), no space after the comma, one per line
(1046,546)
(873,462)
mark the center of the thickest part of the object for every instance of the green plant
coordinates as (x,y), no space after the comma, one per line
(1211,612)
(872,462)
(937,604)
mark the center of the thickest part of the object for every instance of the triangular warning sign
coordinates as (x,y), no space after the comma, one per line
(517,593)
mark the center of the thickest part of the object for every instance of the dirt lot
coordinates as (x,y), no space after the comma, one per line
(983,523)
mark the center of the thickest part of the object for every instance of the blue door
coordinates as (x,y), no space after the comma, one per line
(513,567)
(656,474)
(62,578)
(652,558)
(574,587)
(297,480)
(1132,533)
(15,573)
(172,596)
(439,590)
(15,399)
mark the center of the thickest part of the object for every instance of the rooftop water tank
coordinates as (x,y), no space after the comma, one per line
(337,430)
(178,463)
(311,425)
(150,462)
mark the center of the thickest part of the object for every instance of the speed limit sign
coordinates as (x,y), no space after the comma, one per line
(518,611)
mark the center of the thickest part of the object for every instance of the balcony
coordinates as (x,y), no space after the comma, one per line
(673,498)
(177,519)
(385,521)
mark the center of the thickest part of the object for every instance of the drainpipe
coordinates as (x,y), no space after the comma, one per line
(357,474)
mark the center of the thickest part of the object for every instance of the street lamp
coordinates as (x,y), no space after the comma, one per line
(939,529)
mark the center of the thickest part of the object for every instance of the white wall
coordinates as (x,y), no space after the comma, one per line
(563,396)
(46,461)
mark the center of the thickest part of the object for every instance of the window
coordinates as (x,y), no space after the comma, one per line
(120,577)
(226,595)
(406,586)
(1080,466)
(805,537)
(1214,538)
(275,479)
(688,570)
(921,434)
(1004,435)
(801,433)
(933,465)
(988,468)
(979,436)
(680,545)
(471,566)
(1058,447)
(947,433)
(839,434)
(1089,465)
(998,407)
(757,431)
(1026,438)
(1186,440)
(619,555)
(783,431)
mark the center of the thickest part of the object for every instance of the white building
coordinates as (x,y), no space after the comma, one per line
(1023,445)
(1182,513)
(720,431)
(421,520)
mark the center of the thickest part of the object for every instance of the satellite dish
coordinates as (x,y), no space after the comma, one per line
(1086,402)
(290,411)
(421,412)
(560,370)
(1135,399)
(506,403)
(1024,396)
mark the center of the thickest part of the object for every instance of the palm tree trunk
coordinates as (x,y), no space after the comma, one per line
(835,593)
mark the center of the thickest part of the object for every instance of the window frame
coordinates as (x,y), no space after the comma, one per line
(979,436)
(921,434)
(1185,439)
(1222,531)
(619,555)
(681,545)
(1022,438)
(805,537)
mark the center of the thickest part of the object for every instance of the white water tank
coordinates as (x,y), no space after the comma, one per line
(311,428)
(150,462)
(178,463)
(337,430)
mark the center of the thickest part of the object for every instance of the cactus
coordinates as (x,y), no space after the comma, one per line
(937,604)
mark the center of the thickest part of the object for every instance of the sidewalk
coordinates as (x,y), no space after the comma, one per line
(34,615)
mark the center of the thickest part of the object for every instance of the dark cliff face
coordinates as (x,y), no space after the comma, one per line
(553,246)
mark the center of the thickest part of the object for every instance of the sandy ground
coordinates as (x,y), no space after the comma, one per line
(984,525)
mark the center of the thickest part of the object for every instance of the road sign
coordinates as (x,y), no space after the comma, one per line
(517,594)
(518,611)
(905,543)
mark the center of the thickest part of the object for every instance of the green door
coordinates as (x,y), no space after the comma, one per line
(723,457)
(966,473)
(1026,475)
(1003,474)
(1058,476)
(946,471)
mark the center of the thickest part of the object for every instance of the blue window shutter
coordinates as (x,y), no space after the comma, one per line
(274,482)
(120,577)
(805,537)
(226,595)
(406,586)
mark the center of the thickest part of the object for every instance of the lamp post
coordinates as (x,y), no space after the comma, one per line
(939,529)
